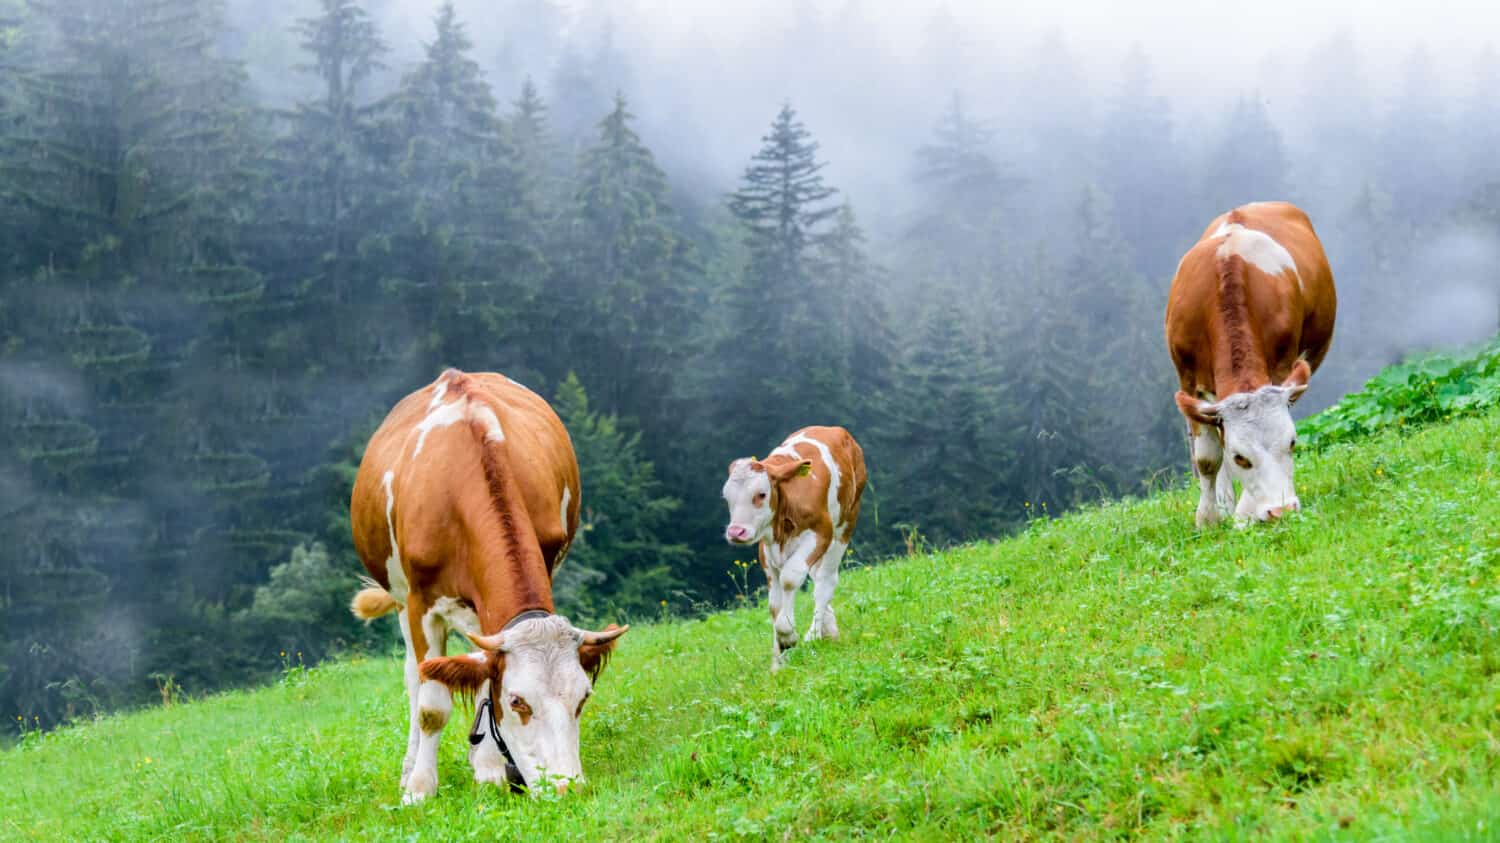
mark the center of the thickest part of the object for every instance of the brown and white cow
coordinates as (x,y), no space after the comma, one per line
(464,505)
(801,504)
(1249,319)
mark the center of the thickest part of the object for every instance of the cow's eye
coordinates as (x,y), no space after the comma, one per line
(579,713)
(1293,446)
(1239,460)
(522,708)
(759,497)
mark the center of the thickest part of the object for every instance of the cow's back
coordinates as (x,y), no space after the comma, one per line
(812,492)
(1292,313)
(436,462)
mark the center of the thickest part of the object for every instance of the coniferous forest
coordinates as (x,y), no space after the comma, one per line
(234,235)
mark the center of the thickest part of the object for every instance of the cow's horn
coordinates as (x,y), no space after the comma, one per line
(604,637)
(492,643)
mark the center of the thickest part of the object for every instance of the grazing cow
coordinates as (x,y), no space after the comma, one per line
(801,504)
(1249,318)
(464,505)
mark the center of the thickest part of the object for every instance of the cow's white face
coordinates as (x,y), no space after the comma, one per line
(1259,440)
(542,691)
(748,493)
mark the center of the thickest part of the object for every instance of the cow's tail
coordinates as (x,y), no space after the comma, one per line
(372,601)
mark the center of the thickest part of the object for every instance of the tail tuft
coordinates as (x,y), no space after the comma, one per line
(372,601)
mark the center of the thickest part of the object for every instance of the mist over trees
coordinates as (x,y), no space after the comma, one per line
(231,236)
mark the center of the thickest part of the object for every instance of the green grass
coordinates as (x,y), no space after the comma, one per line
(1111,674)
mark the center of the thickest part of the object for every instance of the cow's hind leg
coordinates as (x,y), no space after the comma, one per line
(412,680)
(434,704)
(825,577)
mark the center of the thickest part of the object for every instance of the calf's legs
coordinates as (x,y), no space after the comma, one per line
(825,578)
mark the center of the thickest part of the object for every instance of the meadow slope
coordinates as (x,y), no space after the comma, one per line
(1109,674)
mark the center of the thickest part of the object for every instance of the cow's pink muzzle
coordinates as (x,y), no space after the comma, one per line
(1276,512)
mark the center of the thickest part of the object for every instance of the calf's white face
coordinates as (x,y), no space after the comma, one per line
(1259,440)
(748,493)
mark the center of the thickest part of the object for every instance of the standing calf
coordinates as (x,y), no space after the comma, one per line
(801,504)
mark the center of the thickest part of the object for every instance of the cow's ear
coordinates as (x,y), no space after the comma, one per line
(782,472)
(462,674)
(1296,382)
(1198,410)
(594,653)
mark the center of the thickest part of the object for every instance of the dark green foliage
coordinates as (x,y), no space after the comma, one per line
(939,457)
(1428,389)
(303,608)
(621,564)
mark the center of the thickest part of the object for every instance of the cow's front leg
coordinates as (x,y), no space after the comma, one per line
(774,598)
(1213,476)
(825,576)
(793,572)
(434,705)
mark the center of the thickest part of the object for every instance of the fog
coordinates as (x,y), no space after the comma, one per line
(211,302)
(870,77)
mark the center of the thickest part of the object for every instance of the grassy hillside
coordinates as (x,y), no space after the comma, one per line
(1112,674)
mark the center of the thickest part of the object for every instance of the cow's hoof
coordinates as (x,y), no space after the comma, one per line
(419,785)
(786,639)
(823,626)
(826,632)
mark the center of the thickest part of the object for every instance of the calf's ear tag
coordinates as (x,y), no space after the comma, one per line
(804,469)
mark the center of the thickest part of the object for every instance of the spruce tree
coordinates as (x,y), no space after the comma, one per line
(622,286)
(1248,162)
(1126,427)
(540,162)
(783,207)
(853,302)
(964,220)
(965,190)
(1143,170)
(326,160)
(459,254)
(939,439)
